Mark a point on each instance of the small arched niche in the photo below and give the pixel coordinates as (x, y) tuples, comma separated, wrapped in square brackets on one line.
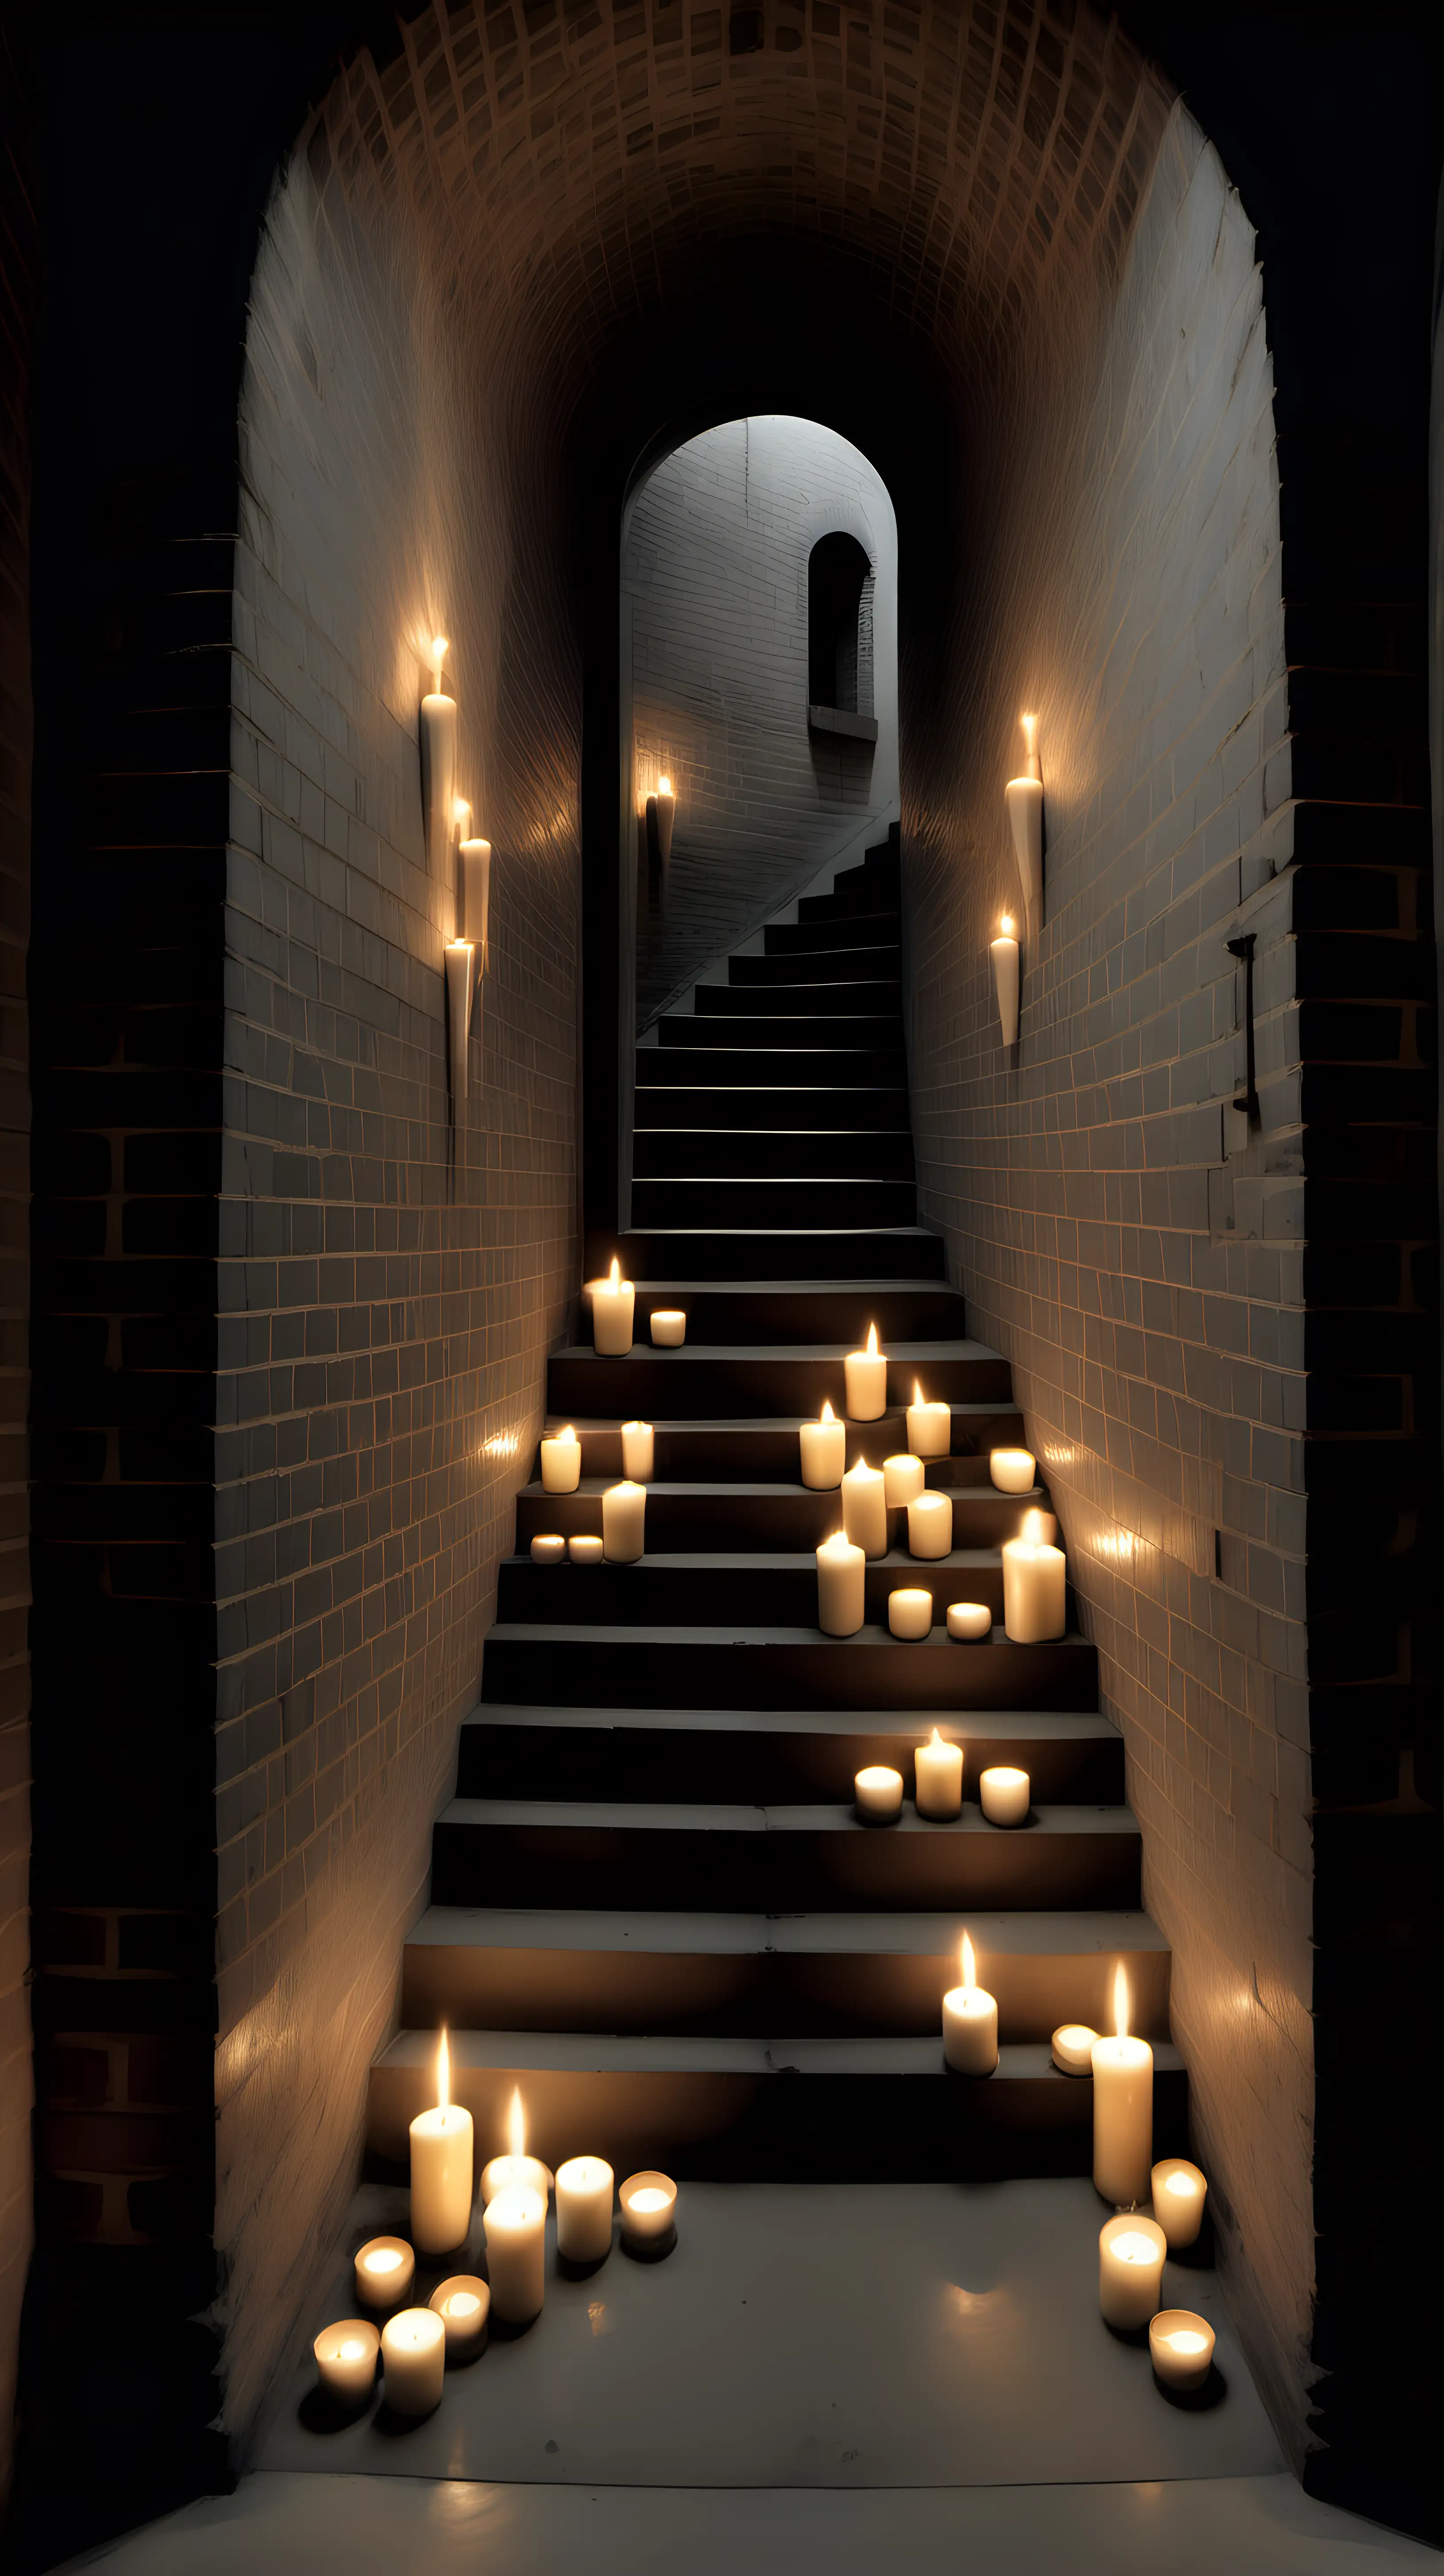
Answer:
[(840, 643)]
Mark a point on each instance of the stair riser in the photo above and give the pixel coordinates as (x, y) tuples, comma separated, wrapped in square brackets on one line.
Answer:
[(792, 1043), (873, 962), (812, 935), (644, 1386), (821, 1312), (607, 1672), (670, 1596), (791, 1202), (759, 1111), (730, 1451), (691, 1524), (772, 1768), (859, 895), (744, 1154), (744, 1252), (851, 997)]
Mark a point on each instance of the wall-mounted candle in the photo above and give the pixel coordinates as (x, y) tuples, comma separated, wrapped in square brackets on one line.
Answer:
[(1130, 2271), (968, 1621), (666, 816), (637, 1452), (346, 2356), (824, 1451), (1180, 2347), (970, 2022), (613, 1299), (930, 1426), (669, 1328), (516, 2170), (865, 1373), (413, 2356), (1072, 2046), (624, 1522), (585, 1549), (910, 1612), (438, 764), (561, 1462), (903, 1479), (841, 1586), (385, 2270), (864, 1508), (1023, 798), (1122, 2109), (548, 1548), (878, 1794), (938, 1779), (649, 2212), (460, 960), (441, 2166), (1179, 2192), (515, 2222), (476, 894), (1035, 1598), (930, 1525), (584, 2209), (463, 2304), (1004, 953), (1014, 1471), (1003, 1794)]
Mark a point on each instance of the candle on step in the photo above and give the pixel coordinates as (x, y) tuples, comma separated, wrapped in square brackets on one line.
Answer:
[(584, 2209), (938, 1779), (864, 1508), (1122, 2109), (903, 1479), (969, 1620), (413, 2357), (910, 1612), (516, 2170), (1034, 1585), (515, 2223), (930, 1426), (877, 1794), (841, 1589), (1072, 2046), (866, 1376), (441, 2166), (613, 1299), (649, 2213), (1003, 1794), (548, 1548), (624, 1522), (1014, 1471), (930, 1525), (561, 1462), (385, 2270), (463, 2304), (970, 2022), (1130, 2271), (824, 1451), (637, 1452), (1179, 2192), (1180, 2347), (669, 1328), (585, 1549), (346, 2356)]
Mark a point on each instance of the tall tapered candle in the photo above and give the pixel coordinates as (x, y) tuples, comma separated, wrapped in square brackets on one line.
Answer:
[(930, 1426), (1122, 2109), (970, 2022), (1034, 1585), (824, 1450), (1005, 980), (841, 1596), (476, 894), (441, 2166), (438, 762), (865, 1373), (613, 1299), (864, 1508), (561, 1462)]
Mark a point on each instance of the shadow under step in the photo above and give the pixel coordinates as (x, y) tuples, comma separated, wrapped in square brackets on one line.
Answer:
[(760, 1109), (875, 964), (719, 1378), (750, 1154), (777, 1591), (858, 997), (692, 1051), (812, 1311), (746, 1519), (782, 1252), (756, 1668)]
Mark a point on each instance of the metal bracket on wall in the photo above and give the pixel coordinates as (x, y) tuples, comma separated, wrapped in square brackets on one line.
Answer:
[(1243, 947)]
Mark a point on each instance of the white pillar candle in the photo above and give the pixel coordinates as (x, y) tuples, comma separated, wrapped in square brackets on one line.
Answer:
[(910, 1613), (938, 1779), (970, 2022), (824, 1451), (515, 2222), (346, 2360), (476, 895), (413, 2356), (1014, 1471), (1072, 2046), (637, 1452), (613, 1299), (516, 2170), (878, 1794), (548, 1548), (585, 1549), (584, 2209), (903, 1479), (1004, 952), (864, 1508), (649, 2212), (1122, 2109), (438, 765), (1003, 1794), (969, 1620), (930, 1525), (1034, 1587), (1130, 2271), (841, 1592), (865, 1373), (561, 1462), (463, 2304), (460, 963), (1179, 2192), (669, 1328), (624, 1522), (441, 2166), (930, 1426), (666, 817), (1180, 2347), (385, 2270)]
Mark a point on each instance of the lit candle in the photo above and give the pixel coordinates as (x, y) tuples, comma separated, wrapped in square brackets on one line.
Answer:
[(548, 1548), (413, 2356), (824, 1451), (1034, 1587), (669, 1328), (516, 2170), (1122, 2109), (476, 893), (938, 1778), (561, 1462), (584, 2209), (970, 2023), (624, 1522), (441, 2166), (969, 1620), (1180, 2347), (649, 2213), (1005, 979), (1130, 2272), (612, 1301), (878, 1794), (1179, 2192), (1072, 2046), (903, 1479), (910, 1612), (666, 816), (438, 763), (1023, 798), (460, 964), (1003, 1794), (866, 1376), (841, 1593), (346, 2360), (463, 2304), (637, 1452), (930, 1426), (585, 1549), (515, 2222), (864, 1508), (930, 1525), (1014, 1471), (385, 2270)]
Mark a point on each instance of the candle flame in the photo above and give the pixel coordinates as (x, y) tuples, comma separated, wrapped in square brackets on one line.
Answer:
[(516, 2124), (1186, 2339), (970, 1974), (440, 647), (1032, 1529), (664, 787), (462, 812), (1007, 925), (937, 1741), (872, 1341), (1120, 2001), (351, 2350), (827, 1414), (566, 1432), (918, 1395), (443, 2075), (1030, 733), (615, 1273)]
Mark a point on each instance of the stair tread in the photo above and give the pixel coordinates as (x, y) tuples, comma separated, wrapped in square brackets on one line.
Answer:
[(754, 1422), (520, 1632), (663, 1934), (710, 2052), (915, 1354), (667, 1816), (758, 1490), (1063, 1725)]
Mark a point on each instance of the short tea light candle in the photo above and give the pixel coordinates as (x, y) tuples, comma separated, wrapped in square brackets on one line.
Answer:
[(548, 1548), (463, 2304), (669, 1328), (1180, 2347), (649, 2212), (585, 1549), (970, 2022), (638, 1446), (841, 1586), (938, 1779), (968, 1621), (441, 2166), (624, 1522), (584, 2209), (878, 1794), (385, 2270), (1034, 1586), (1122, 2110), (613, 1299), (561, 1462), (910, 1613), (864, 1508), (515, 2222), (1072, 2046), (1179, 2192), (930, 1426), (903, 1479), (930, 1525), (516, 2170), (1003, 1794), (346, 2356), (1014, 1471), (865, 1375), (1130, 2271), (413, 2356), (824, 1451)]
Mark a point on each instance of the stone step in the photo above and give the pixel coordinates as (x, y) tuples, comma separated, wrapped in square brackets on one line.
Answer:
[(741, 1252), (810, 936), (856, 997), (738, 1667), (685, 1519), (770, 1591), (874, 963), (760, 1446), (760, 1108), (763, 1311), (761, 1046), (716, 1379), (740, 1153)]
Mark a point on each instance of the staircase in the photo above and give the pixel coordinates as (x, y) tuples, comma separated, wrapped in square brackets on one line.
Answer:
[(653, 1909)]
